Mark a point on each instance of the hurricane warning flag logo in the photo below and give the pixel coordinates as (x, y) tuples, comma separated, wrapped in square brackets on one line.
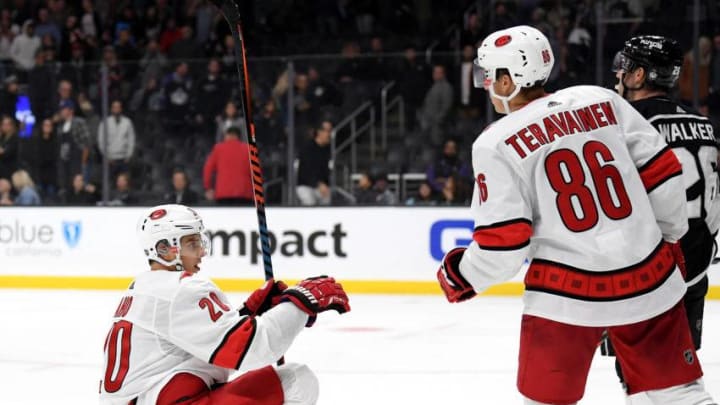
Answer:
[(72, 232)]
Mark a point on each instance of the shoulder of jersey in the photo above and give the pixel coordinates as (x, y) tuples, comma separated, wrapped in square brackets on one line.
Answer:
[(575, 95), (652, 106), (167, 283)]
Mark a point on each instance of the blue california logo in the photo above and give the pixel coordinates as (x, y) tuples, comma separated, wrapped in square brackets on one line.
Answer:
[(72, 232), (439, 227)]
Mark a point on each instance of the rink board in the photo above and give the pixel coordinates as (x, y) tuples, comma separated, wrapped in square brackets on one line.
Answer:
[(372, 250)]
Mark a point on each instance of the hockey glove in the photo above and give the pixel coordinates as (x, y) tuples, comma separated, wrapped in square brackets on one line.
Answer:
[(453, 284), (262, 299), (679, 258), (317, 294)]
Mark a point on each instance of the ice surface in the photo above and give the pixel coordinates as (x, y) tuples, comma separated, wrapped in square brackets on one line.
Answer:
[(388, 350)]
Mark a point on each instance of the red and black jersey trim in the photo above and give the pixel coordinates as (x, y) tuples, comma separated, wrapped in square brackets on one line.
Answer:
[(506, 235), (661, 168), (235, 345), (567, 281)]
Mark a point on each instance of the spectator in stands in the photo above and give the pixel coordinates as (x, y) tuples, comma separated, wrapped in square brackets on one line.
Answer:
[(129, 21), (305, 109), (579, 53), (50, 56), (185, 48), (685, 83), (204, 12), (364, 193), (714, 96), (225, 51), (230, 118), (71, 35), (6, 38), (26, 194), (378, 67), (269, 127), (178, 92), (321, 91), (9, 96), (118, 86), (350, 68), (74, 139), (153, 62), (472, 33), (9, 145), (64, 94), (48, 45), (447, 164), (181, 192), (120, 144), (81, 194), (40, 84), (454, 191), (45, 153), (373, 189), (92, 119), (211, 95), (413, 79), (424, 196), (127, 52), (152, 22), (89, 19), (123, 194), (170, 34), (24, 47), (381, 186), (471, 101), (436, 106), (226, 175), (313, 176), (504, 15), (77, 70), (5, 192), (46, 26)]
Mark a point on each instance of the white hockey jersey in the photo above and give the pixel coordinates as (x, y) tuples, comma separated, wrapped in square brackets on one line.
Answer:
[(170, 322), (583, 186)]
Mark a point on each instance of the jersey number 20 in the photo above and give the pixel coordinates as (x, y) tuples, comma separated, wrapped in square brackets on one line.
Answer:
[(566, 175), (117, 350)]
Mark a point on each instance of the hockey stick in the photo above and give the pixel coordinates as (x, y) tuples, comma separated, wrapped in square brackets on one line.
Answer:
[(231, 13)]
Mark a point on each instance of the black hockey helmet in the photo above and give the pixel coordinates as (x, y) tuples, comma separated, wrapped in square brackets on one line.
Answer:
[(661, 57)]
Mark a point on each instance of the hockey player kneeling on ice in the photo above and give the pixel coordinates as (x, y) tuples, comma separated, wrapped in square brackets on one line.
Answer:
[(582, 185), (175, 337)]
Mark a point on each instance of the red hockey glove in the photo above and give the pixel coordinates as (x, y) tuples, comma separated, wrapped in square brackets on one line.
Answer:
[(317, 294), (261, 299), (453, 284), (679, 258)]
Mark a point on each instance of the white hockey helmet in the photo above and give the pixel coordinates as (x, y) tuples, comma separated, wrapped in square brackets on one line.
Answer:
[(523, 50), (168, 224)]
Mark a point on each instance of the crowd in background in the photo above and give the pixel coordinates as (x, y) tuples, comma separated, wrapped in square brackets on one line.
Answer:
[(174, 116)]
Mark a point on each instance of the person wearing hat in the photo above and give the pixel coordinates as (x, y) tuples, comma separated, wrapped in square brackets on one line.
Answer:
[(74, 137), (9, 96)]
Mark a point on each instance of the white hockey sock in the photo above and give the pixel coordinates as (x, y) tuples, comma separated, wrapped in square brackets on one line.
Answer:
[(693, 393), (299, 384)]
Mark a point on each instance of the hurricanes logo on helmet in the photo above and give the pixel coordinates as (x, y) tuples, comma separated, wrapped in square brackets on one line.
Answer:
[(157, 214), (503, 40), (546, 56)]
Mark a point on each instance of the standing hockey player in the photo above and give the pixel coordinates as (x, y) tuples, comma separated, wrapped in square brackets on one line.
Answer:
[(175, 337), (647, 69), (578, 182)]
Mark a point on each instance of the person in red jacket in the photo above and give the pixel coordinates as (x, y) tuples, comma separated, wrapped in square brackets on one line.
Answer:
[(229, 164)]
